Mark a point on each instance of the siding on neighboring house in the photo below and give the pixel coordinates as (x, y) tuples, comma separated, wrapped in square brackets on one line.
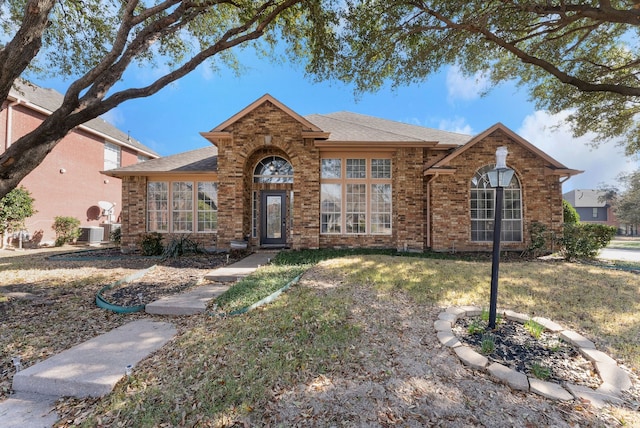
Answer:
[(69, 181)]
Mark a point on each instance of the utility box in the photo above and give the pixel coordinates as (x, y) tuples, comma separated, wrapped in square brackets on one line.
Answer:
[(91, 234)]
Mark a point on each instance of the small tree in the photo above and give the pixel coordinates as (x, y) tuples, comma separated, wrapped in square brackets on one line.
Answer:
[(67, 229), (15, 207), (569, 214)]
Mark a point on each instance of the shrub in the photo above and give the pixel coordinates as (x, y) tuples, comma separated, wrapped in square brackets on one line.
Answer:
[(116, 236), (67, 229), (584, 240), (15, 207), (538, 233), (151, 244), (569, 214), (180, 245)]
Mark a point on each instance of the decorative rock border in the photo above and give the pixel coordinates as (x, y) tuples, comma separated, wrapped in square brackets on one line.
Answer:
[(614, 379)]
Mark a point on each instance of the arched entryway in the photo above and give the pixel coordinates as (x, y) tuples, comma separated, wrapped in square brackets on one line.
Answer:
[(271, 190)]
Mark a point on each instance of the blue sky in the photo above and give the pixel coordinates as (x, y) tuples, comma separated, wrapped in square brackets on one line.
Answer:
[(170, 121)]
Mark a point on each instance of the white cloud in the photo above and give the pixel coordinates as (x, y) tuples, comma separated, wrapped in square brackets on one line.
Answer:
[(456, 125), (114, 117), (600, 165), (464, 87)]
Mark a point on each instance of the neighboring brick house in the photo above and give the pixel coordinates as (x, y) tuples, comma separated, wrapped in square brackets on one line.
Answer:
[(277, 179), (69, 181), (592, 206)]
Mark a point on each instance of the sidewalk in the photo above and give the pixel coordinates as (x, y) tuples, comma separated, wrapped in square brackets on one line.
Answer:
[(195, 301), (94, 367)]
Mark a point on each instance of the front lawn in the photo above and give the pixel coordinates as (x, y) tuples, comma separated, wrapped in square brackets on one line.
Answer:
[(351, 344)]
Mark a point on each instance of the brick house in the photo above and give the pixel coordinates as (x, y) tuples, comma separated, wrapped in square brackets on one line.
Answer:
[(276, 179), (69, 181)]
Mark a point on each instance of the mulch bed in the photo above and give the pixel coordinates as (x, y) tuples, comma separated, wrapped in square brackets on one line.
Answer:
[(170, 276), (516, 348)]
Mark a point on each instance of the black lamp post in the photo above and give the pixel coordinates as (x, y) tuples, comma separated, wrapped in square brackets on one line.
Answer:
[(499, 178)]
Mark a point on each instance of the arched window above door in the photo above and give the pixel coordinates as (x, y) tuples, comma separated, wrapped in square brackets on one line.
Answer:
[(273, 169)]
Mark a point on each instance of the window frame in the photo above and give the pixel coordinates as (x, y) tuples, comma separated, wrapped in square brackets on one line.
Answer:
[(168, 212), (112, 148), (353, 172), (484, 209)]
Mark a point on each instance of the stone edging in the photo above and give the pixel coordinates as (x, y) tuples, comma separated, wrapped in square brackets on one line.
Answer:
[(614, 379)]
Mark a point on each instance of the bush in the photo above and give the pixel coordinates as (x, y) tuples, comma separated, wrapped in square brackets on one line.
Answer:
[(584, 240), (538, 233), (569, 214), (116, 236), (67, 229), (151, 244), (180, 245), (15, 207)]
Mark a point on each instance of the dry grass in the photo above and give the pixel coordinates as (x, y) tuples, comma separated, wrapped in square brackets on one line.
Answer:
[(602, 304), (356, 333)]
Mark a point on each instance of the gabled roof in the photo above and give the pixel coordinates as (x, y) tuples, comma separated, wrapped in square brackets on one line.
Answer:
[(554, 166), (348, 127), (202, 160), (307, 126), (48, 100)]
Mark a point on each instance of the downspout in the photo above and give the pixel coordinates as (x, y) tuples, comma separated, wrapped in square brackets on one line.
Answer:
[(428, 225), (8, 128)]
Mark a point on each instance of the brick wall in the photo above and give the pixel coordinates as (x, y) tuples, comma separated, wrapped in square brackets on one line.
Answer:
[(68, 182), (450, 195), (237, 158), (134, 220)]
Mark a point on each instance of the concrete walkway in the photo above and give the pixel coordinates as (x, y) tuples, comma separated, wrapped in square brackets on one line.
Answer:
[(92, 368), (196, 300)]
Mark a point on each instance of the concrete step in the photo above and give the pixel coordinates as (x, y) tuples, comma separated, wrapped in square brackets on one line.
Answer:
[(192, 302), (92, 368), (242, 268), (26, 410)]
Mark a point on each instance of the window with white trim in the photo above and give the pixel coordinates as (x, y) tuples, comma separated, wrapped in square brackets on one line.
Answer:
[(355, 196), (182, 206), (207, 206), (483, 198), (112, 154)]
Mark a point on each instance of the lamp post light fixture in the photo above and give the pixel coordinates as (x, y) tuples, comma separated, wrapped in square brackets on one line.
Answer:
[(499, 178)]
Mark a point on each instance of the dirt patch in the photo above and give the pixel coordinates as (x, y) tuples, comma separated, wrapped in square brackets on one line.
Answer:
[(405, 377)]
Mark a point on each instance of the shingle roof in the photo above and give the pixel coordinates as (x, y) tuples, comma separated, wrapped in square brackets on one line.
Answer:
[(50, 100), (347, 126), (204, 159)]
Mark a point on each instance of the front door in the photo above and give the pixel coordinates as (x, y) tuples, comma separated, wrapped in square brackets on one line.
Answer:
[(273, 224)]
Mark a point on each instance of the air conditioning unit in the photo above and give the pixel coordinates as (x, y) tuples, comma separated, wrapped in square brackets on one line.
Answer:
[(91, 234)]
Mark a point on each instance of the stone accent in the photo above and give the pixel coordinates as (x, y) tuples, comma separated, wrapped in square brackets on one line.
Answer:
[(614, 379), (448, 339), (597, 398), (513, 378), (515, 316), (471, 358), (548, 324), (549, 390), (577, 340)]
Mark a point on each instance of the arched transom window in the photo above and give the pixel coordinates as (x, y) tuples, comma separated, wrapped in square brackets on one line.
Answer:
[(273, 169), (483, 198)]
